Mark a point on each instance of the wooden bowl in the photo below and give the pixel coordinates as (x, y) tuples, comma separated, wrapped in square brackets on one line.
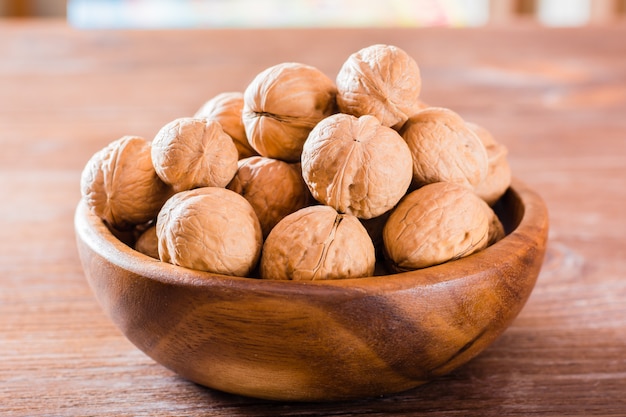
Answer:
[(318, 341)]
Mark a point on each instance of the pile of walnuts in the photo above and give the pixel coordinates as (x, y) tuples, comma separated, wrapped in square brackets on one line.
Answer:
[(304, 178)]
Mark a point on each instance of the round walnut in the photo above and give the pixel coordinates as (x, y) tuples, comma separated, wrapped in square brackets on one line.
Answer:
[(226, 108), (380, 80), (273, 187), (356, 165), (317, 243), (444, 148), (435, 224), (209, 229), (496, 228), (119, 183), (191, 153), (498, 176), (281, 106), (148, 243)]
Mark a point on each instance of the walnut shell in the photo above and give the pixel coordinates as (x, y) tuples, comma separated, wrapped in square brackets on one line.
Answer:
[(444, 148), (226, 108), (317, 243), (380, 80), (498, 178), (434, 224), (119, 183), (281, 106), (148, 243), (356, 165), (209, 229), (191, 153), (496, 228), (273, 188)]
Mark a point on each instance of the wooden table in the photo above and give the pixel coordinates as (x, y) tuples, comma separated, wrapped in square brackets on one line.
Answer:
[(555, 98)]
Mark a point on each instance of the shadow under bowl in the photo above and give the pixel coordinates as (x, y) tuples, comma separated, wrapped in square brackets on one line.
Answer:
[(318, 341)]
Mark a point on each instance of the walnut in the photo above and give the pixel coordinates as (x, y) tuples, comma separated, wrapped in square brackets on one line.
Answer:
[(444, 148), (437, 223), (226, 108), (120, 185), (380, 80), (209, 229), (317, 243), (190, 153), (496, 228), (356, 165), (148, 243), (273, 187), (498, 176), (281, 106)]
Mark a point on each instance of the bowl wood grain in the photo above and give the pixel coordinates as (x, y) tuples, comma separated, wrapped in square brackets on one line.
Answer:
[(318, 341)]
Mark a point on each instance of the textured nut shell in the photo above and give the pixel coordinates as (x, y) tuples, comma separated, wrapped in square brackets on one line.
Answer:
[(281, 106), (380, 80), (226, 108), (148, 243), (496, 228), (356, 165), (191, 153), (273, 188), (434, 224), (120, 185), (317, 243), (444, 148), (498, 178), (209, 229)]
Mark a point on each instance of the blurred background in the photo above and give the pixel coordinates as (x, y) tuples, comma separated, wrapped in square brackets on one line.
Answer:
[(316, 13)]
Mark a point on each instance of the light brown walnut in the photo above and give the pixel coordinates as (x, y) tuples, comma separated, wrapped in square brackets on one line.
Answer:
[(119, 183), (273, 187), (190, 153), (435, 224), (148, 243), (281, 106), (498, 178), (444, 148), (496, 228), (317, 243), (380, 80), (356, 165), (209, 229), (226, 108)]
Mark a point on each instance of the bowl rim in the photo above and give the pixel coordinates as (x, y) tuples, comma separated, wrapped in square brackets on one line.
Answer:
[(530, 232)]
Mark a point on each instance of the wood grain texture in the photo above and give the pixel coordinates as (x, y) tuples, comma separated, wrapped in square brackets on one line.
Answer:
[(556, 98), (318, 341)]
